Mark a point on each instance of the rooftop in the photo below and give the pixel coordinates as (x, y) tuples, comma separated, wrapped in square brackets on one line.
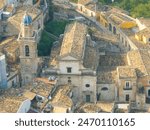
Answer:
[(27, 19), (2, 3), (126, 72), (145, 21), (84, 2), (90, 57), (74, 40), (16, 19), (11, 48), (144, 32), (89, 108), (136, 60), (145, 55), (9, 8), (99, 107), (55, 51), (118, 19), (130, 33), (11, 99), (113, 60), (61, 97), (43, 87), (106, 71), (106, 75)]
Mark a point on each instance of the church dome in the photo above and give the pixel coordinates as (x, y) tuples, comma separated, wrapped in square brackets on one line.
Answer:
[(27, 20)]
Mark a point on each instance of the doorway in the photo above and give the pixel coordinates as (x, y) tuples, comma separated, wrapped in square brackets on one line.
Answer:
[(88, 98), (127, 97), (149, 93)]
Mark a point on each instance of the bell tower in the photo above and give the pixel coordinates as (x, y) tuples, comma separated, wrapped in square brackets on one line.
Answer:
[(28, 50)]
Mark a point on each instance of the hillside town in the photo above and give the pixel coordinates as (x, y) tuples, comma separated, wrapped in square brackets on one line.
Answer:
[(99, 63)]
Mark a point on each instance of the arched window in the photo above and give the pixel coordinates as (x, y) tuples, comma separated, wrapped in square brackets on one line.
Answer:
[(104, 89), (27, 51), (87, 85)]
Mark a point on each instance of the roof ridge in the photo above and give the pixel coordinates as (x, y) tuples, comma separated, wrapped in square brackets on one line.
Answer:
[(142, 61)]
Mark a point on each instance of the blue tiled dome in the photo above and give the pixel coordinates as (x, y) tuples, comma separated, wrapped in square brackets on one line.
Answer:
[(27, 20)]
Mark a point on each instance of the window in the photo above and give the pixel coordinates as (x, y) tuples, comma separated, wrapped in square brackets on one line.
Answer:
[(69, 69), (149, 93), (13, 83), (88, 98), (27, 53), (4, 28), (98, 96), (127, 97), (87, 85), (104, 89), (127, 85), (69, 80)]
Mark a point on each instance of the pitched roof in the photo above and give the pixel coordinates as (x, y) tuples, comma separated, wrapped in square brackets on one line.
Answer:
[(84, 2), (61, 97), (136, 61), (144, 32), (2, 3), (145, 55), (74, 40), (126, 72), (145, 21), (90, 57), (11, 99)]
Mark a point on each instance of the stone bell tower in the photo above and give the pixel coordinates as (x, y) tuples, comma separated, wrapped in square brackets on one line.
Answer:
[(28, 50)]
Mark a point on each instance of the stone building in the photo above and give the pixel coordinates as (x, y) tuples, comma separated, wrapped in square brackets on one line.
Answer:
[(28, 50), (87, 7), (126, 84), (74, 61), (3, 76)]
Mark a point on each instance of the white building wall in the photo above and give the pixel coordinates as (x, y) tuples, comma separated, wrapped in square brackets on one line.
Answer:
[(73, 64), (91, 80), (77, 79), (25, 106), (3, 77)]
